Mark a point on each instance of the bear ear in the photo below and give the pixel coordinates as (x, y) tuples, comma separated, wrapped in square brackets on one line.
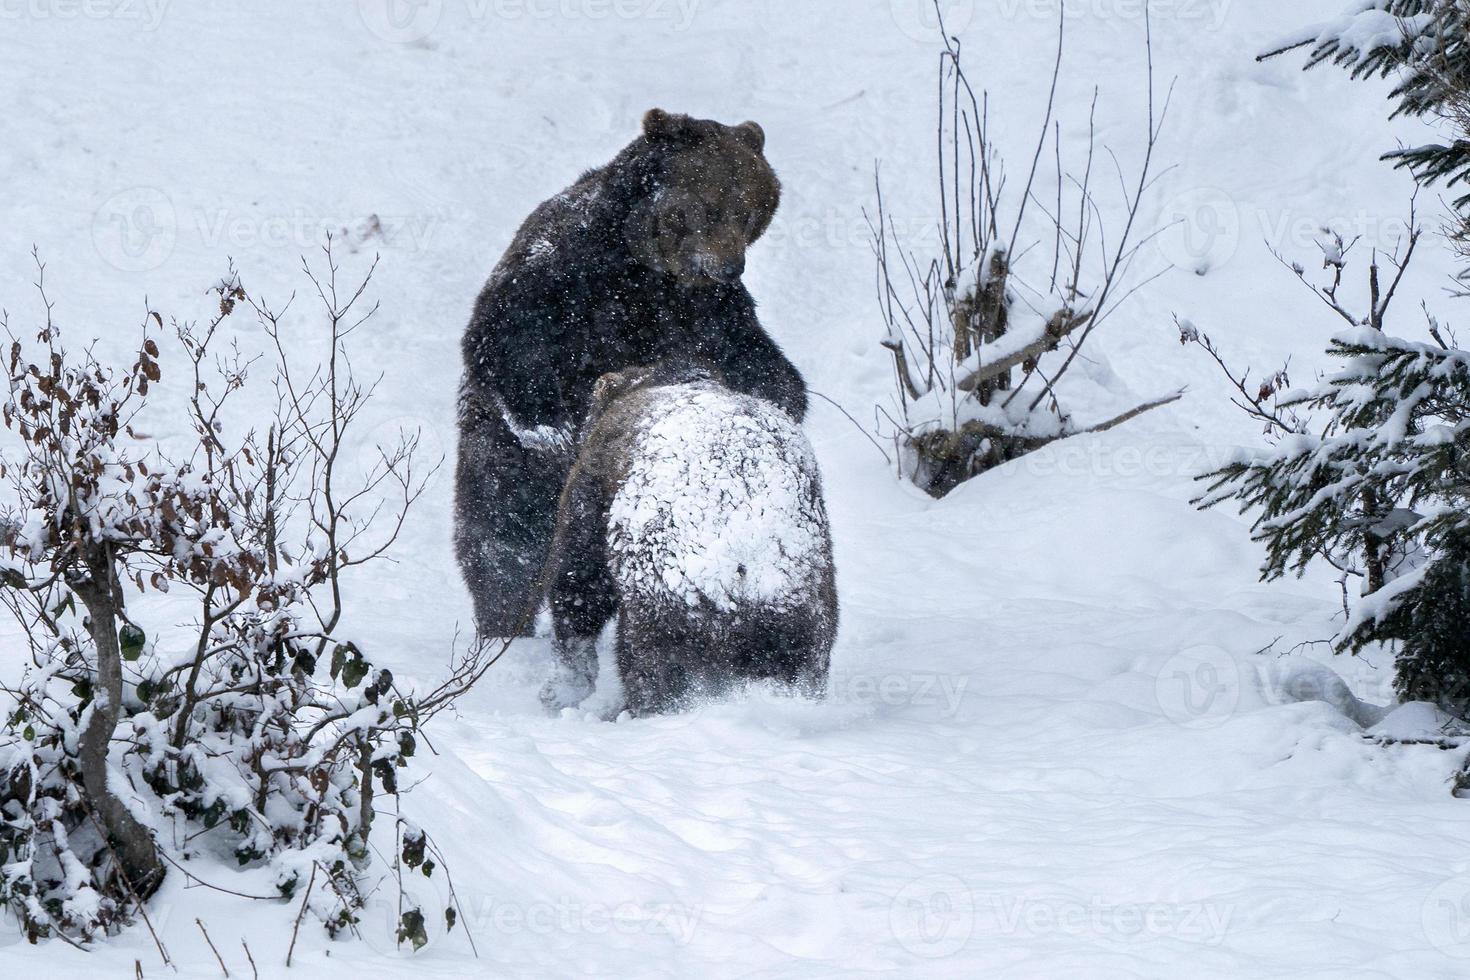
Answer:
[(657, 122), (604, 387), (608, 387), (751, 134)]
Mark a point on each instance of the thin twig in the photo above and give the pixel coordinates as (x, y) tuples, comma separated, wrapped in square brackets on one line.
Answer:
[(200, 923), (1134, 413), (120, 870), (834, 403), (301, 915), (454, 895)]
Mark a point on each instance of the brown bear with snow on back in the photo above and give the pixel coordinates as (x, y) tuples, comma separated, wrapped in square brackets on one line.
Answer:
[(637, 261), (694, 513)]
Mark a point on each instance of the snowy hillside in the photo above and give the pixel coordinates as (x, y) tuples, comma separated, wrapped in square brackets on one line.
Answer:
[(1052, 747)]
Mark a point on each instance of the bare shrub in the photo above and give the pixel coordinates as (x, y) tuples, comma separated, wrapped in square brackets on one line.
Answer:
[(269, 728), (1023, 279)]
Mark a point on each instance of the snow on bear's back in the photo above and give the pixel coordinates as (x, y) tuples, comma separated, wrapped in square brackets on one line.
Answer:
[(721, 505)]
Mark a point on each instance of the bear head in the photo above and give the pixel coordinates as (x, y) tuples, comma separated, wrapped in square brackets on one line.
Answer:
[(618, 397), (712, 195), (615, 385)]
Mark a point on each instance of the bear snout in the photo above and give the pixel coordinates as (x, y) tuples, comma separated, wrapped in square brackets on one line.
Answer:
[(720, 268)]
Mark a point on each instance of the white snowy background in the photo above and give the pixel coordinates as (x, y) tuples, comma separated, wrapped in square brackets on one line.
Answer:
[(1051, 747)]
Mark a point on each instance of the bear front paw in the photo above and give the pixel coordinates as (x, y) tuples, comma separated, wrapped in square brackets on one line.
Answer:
[(565, 689)]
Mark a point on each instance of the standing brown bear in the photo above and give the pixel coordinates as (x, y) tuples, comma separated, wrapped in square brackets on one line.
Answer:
[(638, 261)]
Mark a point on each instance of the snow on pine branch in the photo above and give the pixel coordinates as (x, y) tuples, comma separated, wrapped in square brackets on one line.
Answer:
[(1369, 35), (1369, 470), (1424, 45)]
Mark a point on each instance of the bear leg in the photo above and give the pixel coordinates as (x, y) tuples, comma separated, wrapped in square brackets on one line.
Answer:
[(660, 662), (582, 593), (574, 677), (791, 647), (505, 515)]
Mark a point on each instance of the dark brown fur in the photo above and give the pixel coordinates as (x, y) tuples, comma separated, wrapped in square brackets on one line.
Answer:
[(718, 198), (637, 261)]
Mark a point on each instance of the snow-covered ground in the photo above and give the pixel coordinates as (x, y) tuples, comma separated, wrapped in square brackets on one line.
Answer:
[(1051, 746)]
